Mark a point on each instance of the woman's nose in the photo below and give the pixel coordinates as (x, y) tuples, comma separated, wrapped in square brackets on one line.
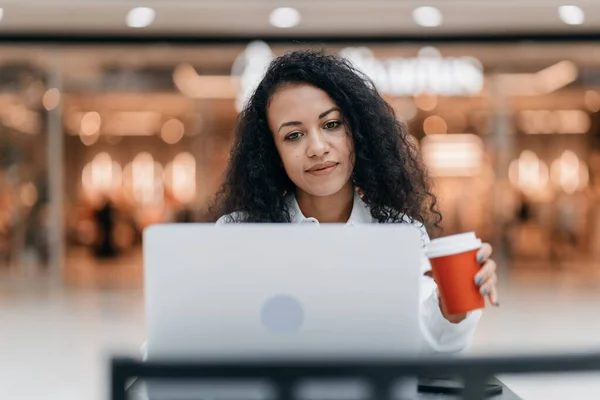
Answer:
[(318, 145)]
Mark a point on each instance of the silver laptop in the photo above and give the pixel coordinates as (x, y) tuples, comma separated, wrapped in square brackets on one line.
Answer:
[(264, 291)]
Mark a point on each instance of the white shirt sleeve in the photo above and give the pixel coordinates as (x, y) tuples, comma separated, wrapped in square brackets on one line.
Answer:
[(439, 334), (235, 217)]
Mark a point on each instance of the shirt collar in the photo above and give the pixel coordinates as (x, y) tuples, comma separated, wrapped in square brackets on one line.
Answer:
[(361, 213)]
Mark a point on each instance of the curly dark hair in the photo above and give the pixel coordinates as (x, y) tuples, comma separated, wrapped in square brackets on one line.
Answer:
[(388, 171)]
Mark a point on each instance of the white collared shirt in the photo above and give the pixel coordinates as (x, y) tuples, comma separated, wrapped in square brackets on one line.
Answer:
[(440, 335)]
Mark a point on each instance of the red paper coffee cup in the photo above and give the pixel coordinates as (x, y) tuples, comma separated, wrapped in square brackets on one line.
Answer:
[(454, 266)]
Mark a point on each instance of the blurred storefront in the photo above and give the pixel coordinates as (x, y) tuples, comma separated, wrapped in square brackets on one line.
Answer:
[(510, 133)]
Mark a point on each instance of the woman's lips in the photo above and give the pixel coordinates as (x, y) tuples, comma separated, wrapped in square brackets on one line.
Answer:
[(321, 170)]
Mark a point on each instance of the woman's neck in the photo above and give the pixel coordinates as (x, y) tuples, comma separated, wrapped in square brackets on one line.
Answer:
[(335, 208)]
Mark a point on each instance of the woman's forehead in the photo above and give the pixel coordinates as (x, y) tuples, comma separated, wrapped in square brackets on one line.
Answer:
[(302, 100)]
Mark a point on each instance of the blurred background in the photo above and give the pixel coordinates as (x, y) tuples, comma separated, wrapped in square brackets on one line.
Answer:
[(115, 117), (118, 114)]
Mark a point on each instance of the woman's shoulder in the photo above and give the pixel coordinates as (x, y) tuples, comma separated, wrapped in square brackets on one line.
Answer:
[(236, 217)]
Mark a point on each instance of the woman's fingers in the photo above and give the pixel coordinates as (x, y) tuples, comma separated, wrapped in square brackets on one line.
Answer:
[(493, 296), (484, 253), (488, 288), (487, 270)]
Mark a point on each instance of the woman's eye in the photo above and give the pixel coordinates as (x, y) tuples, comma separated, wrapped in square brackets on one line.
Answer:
[(332, 125), (293, 136)]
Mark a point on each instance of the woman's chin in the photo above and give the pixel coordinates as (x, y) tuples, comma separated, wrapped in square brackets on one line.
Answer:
[(324, 190)]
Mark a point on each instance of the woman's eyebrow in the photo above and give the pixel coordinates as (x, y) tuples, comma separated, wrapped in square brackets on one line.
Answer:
[(328, 111), (291, 123)]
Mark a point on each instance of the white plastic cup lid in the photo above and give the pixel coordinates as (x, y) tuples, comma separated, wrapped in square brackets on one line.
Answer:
[(454, 244)]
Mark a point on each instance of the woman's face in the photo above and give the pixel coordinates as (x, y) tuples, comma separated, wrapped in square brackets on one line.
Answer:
[(314, 145)]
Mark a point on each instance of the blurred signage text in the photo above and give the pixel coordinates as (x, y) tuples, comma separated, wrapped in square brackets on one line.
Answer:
[(429, 72)]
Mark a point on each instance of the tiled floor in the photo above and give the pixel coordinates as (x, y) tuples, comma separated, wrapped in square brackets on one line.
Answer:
[(55, 344)]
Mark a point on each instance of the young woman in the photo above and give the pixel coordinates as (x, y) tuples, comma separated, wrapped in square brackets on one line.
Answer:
[(316, 143)]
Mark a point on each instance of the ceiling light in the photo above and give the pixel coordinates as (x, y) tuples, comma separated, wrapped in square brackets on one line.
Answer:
[(556, 76), (140, 17), (435, 125), (51, 99), (571, 15), (453, 155), (284, 17), (426, 102), (592, 100), (172, 131), (529, 173), (90, 124), (427, 16)]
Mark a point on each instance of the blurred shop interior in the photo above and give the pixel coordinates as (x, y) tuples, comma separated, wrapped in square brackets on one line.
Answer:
[(510, 133)]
